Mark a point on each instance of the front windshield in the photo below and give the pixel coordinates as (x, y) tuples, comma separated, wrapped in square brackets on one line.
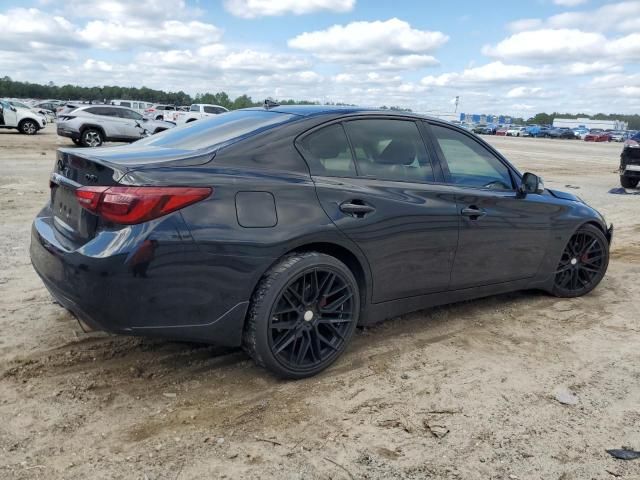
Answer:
[(216, 130)]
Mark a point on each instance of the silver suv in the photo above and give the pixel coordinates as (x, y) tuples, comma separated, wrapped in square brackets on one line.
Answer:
[(92, 125)]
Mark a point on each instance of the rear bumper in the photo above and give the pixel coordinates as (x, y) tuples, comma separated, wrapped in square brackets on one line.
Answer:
[(67, 132), (122, 282)]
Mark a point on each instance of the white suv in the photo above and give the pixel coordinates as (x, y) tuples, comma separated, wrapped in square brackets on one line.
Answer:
[(198, 111), (23, 119), (92, 125)]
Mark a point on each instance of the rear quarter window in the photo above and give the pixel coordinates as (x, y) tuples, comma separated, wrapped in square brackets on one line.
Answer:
[(217, 130)]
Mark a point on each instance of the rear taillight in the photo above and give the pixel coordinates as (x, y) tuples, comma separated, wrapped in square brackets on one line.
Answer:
[(131, 205)]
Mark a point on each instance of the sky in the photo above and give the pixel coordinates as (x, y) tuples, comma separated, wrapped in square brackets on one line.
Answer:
[(516, 58)]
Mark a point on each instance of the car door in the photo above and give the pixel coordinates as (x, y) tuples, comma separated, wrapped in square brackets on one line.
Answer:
[(503, 235), (9, 115), (376, 181), (128, 122)]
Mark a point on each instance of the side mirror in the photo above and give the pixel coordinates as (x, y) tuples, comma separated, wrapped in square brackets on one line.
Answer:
[(531, 184), (13, 109)]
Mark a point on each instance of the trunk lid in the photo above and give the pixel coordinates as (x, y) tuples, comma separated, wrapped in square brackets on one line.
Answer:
[(78, 167)]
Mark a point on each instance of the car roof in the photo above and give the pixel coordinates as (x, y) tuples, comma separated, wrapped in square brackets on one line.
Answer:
[(335, 110)]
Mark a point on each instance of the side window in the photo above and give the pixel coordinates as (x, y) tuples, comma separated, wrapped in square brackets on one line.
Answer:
[(194, 108), (209, 109), (125, 104), (470, 164), (129, 114), (390, 150), (327, 152)]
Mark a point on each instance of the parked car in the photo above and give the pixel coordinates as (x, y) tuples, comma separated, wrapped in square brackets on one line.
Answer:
[(50, 105), (502, 131), (630, 162), (561, 132), (514, 131), (479, 128), (137, 105), (538, 131), (597, 135), (92, 125), (23, 119), (157, 112), (198, 111), (282, 228), (581, 132), (618, 136)]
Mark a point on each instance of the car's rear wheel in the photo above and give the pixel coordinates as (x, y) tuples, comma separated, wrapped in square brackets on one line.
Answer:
[(583, 263), (92, 137), (28, 127), (628, 182), (302, 315)]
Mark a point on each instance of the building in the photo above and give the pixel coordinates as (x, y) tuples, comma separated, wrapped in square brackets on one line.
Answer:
[(482, 118), (588, 123)]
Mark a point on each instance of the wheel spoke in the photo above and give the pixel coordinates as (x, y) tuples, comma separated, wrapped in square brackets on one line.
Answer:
[(304, 347), (325, 341), (280, 325), (333, 306), (284, 341), (334, 320)]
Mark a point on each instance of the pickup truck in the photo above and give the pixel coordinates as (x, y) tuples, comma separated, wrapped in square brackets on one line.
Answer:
[(198, 111), (23, 119)]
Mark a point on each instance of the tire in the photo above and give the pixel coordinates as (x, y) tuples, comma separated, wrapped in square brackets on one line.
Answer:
[(159, 117), (28, 127), (583, 263), (628, 182), (91, 137), (286, 296)]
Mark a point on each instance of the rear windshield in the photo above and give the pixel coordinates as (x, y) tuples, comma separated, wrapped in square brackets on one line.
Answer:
[(216, 130)]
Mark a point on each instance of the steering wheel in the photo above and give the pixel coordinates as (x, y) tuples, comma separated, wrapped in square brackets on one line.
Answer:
[(496, 185)]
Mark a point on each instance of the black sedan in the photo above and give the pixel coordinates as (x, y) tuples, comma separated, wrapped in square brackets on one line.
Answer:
[(565, 133), (280, 229)]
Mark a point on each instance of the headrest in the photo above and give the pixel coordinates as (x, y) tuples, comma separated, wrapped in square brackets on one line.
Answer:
[(398, 152)]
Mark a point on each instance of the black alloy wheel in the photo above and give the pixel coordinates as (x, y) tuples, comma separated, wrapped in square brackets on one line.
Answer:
[(583, 263), (303, 315)]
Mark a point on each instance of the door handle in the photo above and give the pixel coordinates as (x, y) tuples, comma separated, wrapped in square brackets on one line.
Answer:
[(356, 207), (473, 212)]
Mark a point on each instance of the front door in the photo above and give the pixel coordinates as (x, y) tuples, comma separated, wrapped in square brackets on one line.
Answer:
[(377, 186), (503, 236)]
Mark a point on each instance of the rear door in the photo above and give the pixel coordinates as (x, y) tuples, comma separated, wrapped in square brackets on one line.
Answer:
[(130, 122), (503, 236), (376, 181)]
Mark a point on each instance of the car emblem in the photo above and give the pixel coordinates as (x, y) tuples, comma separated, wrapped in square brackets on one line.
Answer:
[(89, 177)]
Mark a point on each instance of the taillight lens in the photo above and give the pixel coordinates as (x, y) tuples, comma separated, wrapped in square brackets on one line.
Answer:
[(131, 205)]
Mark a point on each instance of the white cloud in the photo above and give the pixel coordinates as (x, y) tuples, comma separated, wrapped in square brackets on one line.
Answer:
[(117, 35), (525, 92), (621, 16), (569, 3), (143, 11), (22, 28), (547, 44), (587, 68), (524, 24), (391, 44), (263, 8), (491, 73)]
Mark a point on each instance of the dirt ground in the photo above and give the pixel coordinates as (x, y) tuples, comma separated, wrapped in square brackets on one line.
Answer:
[(461, 392)]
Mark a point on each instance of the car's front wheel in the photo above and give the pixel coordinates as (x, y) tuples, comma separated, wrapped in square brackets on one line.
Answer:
[(628, 182), (583, 263), (302, 315), (28, 127), (92, 137)]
